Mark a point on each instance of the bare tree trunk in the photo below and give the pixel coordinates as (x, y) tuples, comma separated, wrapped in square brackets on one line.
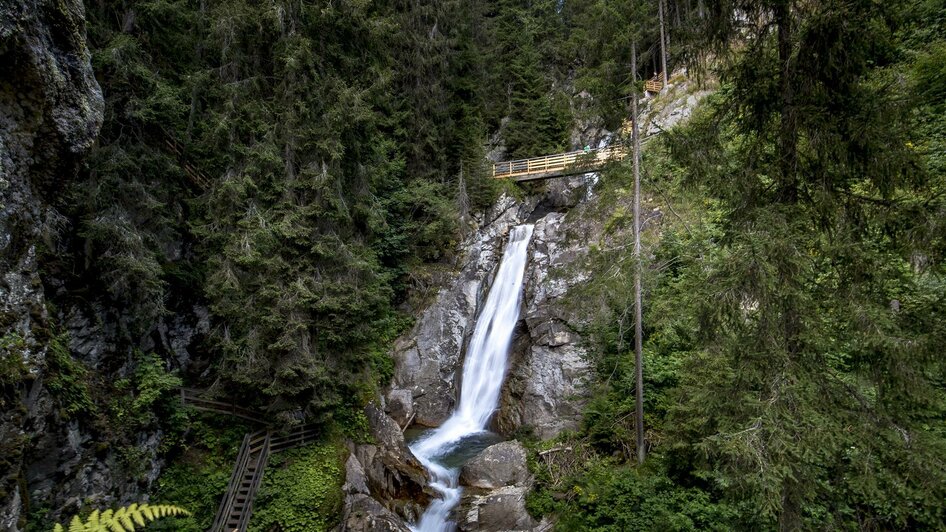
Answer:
[(463, 201), (663, 41), (788, 139), (638, 315)]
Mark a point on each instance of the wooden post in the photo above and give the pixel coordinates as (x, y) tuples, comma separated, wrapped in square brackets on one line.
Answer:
[(638, 314)]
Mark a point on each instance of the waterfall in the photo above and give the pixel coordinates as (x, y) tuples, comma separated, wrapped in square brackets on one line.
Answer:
[(483, 374)]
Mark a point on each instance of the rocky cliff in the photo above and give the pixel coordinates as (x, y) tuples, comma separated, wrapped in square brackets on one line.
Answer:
[(50, 113), (55, 461), (543, 390)]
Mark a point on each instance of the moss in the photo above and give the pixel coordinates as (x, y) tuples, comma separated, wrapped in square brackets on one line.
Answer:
[(68, 380), (302, 489), (12, 368)]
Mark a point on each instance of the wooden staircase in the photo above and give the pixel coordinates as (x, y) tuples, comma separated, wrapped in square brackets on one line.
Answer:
[(196, 177), (237, 504), (236, 507), (654, 84)]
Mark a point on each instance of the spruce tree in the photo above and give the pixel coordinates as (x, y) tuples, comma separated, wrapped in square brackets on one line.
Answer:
[(813, 395)]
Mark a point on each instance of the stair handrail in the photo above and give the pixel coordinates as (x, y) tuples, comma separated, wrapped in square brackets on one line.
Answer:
[(247, 512), (226, 504)]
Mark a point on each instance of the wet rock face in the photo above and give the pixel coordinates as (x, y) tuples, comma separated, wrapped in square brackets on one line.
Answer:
[(497, 466), (427, 360), (544, 386), (545, 389), (385, 471), (51, 109)]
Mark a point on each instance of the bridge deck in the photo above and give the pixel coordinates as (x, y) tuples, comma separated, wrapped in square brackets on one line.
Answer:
[(558, 165)]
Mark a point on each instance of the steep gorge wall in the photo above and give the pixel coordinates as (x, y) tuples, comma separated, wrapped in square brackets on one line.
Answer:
[(54, 462), (543, 390), (50, 113)]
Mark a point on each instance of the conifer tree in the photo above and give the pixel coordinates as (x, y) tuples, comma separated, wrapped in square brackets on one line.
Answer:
[(811, 399)]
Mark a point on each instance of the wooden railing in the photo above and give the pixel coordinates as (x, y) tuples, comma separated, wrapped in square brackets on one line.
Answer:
[(298, 436), (237, 504), (196, 177), (561, 164), (196, 399), (654, 84)]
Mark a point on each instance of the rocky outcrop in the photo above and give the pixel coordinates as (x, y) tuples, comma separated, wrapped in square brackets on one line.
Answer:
[(362, 512), (427, 360), (51, 109), (497, 481), (399, 404), (386, 472), (503, 509), (497, 466)]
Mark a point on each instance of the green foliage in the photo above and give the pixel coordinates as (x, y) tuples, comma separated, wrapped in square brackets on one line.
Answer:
[(12, 367), (603, 33), (195, 480), (127, 518), (301, 490), (198, 472), (68, 380), (794, 291), (615, 497), (139, 400)]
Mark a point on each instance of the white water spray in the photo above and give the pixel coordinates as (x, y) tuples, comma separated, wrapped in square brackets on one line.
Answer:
[(483, 375)]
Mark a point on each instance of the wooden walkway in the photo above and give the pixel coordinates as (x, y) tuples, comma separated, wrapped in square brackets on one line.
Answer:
[(236, 507), (558, 165), (198, 399), (237, 504), (196, 177), (654, 84)]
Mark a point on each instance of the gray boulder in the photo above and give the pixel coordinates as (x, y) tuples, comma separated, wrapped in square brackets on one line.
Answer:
[(399, 405), (497, 466), (364, 514), (502, 509)]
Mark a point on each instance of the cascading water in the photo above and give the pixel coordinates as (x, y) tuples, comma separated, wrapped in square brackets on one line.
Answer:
[(483, 375)]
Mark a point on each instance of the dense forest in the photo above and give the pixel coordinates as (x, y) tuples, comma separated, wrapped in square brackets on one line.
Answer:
[(303, 175)]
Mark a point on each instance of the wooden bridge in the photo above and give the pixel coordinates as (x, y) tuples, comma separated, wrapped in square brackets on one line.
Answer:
[(558, 165), (236, 507)]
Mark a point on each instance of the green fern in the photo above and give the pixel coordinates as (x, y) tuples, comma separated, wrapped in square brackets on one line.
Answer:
[(125, 519)]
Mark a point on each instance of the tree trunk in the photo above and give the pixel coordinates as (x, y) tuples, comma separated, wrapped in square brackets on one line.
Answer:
[(638, 314), (663, 42), (789, 123)]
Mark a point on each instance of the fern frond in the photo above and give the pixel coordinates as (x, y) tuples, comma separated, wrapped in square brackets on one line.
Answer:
[(125, 519), (136, 515), (58, 528), (93, 523), (76, 525), (123, 516)]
